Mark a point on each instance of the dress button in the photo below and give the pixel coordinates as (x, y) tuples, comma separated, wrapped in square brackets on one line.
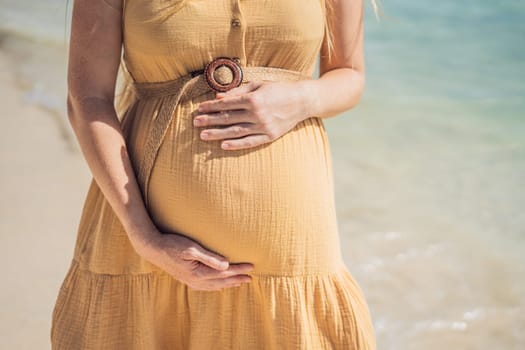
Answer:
[(236, 22)]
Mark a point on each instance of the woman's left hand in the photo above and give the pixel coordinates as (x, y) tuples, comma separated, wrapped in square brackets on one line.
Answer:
[(252, 114)]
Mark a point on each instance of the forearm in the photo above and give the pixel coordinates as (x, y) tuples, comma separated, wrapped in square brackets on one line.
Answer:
[(336, 91), (99, 134)]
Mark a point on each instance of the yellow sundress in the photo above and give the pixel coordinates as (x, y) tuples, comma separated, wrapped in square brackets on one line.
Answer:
[(271, 205)]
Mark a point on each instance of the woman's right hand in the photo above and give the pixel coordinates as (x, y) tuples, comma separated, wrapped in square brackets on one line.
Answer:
[(94, 59), (192, 264)]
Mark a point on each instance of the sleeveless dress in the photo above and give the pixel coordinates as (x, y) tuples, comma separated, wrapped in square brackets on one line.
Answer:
[(271, 205)]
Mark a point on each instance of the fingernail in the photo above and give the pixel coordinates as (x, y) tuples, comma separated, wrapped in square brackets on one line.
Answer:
[(200, 109), (204, 135), (197, 122), (225, 145)]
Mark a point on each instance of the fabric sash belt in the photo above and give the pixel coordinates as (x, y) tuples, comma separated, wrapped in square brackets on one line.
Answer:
[(186, 87)]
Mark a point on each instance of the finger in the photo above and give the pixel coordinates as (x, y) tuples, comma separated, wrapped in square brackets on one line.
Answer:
[(225, 104), (229, 282), (198, 253), (204, 272), (246, 142), (241, 89), (222, 118), (236, 130)]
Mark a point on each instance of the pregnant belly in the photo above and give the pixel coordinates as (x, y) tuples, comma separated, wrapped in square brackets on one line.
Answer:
[(271, 205)]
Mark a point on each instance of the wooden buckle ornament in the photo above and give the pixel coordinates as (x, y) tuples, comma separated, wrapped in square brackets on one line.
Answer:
[(232, 64)]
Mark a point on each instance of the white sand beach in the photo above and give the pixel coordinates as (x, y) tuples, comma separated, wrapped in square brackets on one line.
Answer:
[(43, 181)]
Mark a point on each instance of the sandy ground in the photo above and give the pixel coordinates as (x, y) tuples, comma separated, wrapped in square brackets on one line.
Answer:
[(43, 183)]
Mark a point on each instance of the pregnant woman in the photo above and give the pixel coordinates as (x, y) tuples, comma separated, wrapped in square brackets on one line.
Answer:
[(210, 220)]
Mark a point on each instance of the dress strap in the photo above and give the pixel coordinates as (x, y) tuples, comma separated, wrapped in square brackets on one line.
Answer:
[(185, 87)]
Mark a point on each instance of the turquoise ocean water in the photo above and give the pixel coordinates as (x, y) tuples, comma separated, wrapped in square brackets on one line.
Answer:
[(429, 168)]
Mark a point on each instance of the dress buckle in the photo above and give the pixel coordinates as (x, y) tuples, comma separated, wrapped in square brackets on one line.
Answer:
[(216, 63)]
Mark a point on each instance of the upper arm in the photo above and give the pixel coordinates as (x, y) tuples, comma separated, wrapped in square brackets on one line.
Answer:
[(94, 50), (346, 22)]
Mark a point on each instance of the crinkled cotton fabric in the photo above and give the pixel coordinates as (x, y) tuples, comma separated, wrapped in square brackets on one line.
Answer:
[(271, 205)]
